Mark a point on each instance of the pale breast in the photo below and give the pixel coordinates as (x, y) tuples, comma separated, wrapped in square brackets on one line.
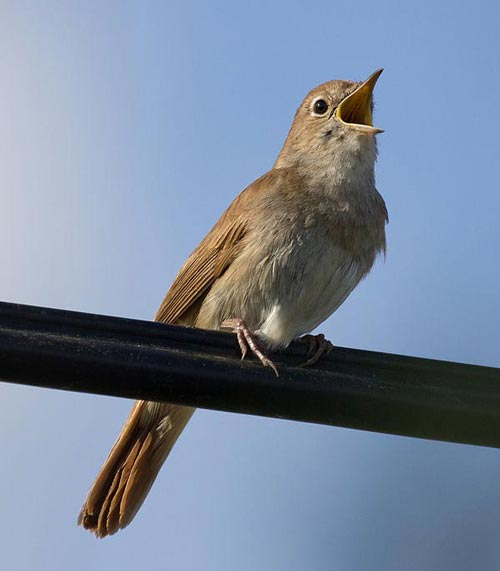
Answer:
[(284, 285), (327, 277), (308, 247)]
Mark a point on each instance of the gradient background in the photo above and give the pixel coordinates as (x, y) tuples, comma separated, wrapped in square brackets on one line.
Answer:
[(125, 129)]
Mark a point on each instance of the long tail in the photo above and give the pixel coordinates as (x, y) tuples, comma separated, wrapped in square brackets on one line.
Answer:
[(132, 466)]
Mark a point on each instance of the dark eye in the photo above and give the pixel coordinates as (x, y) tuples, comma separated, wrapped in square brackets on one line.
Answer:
[(320, 107)]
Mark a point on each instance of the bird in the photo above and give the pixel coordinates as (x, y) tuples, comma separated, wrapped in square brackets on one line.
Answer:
[(281, 259)]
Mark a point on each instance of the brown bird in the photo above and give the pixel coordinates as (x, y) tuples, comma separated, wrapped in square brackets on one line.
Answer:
[(281, 259)]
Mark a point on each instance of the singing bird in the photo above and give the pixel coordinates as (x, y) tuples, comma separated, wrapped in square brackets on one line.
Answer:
[(281, 259)]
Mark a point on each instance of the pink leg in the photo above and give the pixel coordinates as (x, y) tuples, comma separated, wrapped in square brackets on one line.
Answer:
[(248, 340), (318, 346)]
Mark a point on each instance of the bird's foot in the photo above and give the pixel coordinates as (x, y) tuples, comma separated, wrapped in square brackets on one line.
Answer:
[(248, 340), (317, 347)]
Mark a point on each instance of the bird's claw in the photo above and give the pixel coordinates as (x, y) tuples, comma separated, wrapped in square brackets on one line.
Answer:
[(318, 346), (248, 340)]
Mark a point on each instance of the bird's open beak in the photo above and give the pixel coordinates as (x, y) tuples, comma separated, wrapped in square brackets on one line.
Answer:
[(356, 109)]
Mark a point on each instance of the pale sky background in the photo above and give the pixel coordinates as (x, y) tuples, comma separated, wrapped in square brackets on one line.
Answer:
[(125, 130)]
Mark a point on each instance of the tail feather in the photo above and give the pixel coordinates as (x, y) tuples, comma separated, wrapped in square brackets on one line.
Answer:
[(132, 466)]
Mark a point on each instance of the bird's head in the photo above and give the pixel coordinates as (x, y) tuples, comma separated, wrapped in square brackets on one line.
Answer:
[(333, 126)]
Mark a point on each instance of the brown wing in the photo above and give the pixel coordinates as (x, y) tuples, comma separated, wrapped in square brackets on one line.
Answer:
[(202, 268), (220, 247)]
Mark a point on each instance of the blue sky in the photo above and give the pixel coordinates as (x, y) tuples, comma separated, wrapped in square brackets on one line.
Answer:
[(125, 130)]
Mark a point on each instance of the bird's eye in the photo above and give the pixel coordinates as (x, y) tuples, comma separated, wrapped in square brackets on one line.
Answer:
[(320, 107)]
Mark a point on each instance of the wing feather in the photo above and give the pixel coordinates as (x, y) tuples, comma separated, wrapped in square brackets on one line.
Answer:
[(209, 261), (217, 251)]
